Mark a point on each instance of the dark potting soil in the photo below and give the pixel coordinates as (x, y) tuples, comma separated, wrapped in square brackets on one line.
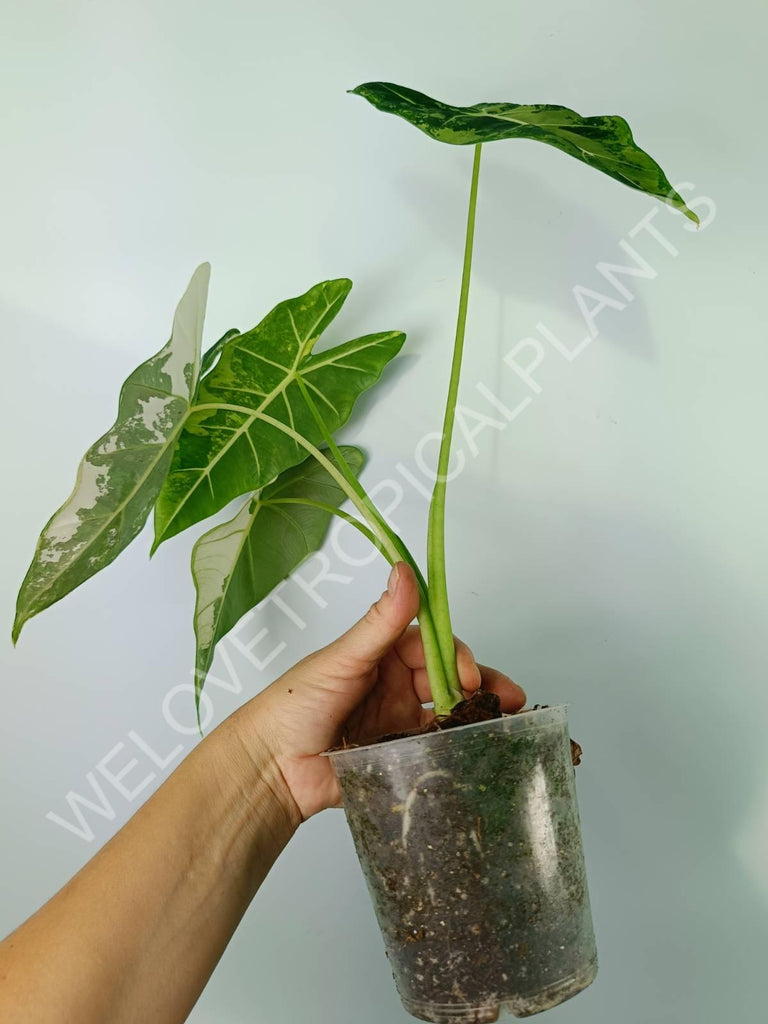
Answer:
[(472, 854), (482, 706)]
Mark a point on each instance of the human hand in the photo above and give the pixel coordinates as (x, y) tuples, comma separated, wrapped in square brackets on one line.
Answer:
[(370, 682)]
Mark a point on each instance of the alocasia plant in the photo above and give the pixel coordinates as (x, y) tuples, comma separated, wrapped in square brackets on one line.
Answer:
[(254, 418), (193, 432)]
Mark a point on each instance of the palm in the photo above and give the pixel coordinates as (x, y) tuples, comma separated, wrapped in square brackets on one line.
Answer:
[(326, 702), (397, 701)]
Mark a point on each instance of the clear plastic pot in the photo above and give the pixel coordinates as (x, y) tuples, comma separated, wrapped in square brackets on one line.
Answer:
[(469, 841)]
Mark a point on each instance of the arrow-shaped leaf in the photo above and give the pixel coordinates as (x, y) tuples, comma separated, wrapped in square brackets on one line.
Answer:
[(251, 418), (120, 475), (236, 565), (605, 143)]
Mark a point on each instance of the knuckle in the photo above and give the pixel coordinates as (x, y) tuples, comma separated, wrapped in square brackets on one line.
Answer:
[(374, 615)]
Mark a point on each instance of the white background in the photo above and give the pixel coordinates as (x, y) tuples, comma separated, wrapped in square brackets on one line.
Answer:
[(607, 548)]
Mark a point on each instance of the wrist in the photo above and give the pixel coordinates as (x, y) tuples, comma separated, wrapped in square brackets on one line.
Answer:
[(250, 744)]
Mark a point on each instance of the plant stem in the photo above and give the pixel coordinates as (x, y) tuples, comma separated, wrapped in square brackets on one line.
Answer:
[(355, 484), (438, 587), (363, 506), (391, 546), (442, 692)]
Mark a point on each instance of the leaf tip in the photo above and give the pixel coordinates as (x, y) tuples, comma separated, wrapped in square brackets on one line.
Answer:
[(340, 287), (199, 683), (200, 280), (692, 216), (674, 199), (162, 529), (20, 619)]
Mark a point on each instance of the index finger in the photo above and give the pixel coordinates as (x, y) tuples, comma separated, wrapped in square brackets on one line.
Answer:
[(410, 650), (511, 695)]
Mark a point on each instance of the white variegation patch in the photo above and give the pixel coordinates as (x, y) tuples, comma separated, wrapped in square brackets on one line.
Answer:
[(119, 479), (180, 359), (154, 417), (92, 484)]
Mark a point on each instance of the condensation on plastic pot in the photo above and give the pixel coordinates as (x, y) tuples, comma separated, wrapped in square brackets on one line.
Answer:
[(470, 844)]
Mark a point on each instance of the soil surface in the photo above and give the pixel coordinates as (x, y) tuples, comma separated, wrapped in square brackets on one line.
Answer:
[(482, 706)]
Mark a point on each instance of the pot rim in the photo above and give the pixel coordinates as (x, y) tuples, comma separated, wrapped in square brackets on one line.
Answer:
[(414, 736)]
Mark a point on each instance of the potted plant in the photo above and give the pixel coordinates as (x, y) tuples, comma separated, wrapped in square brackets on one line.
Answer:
[(468, 831)]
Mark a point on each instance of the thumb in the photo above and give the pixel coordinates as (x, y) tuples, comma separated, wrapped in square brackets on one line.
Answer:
[(365, 644)]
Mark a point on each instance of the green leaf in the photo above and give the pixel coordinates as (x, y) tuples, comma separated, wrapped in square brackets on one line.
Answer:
[(251, 417), (121, 474), (605, 143), (236, 565)]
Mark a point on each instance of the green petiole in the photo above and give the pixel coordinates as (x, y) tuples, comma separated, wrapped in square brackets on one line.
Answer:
[(438, 587)]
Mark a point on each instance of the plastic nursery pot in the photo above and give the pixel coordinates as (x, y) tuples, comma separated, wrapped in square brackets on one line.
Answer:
[(469, 841)]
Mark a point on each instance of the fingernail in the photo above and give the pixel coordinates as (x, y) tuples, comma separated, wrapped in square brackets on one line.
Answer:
[(394, 579)]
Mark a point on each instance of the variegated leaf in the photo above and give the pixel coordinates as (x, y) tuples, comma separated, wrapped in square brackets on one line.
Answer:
[(605, 142), (122, 473), (251, 415), (236, 565)]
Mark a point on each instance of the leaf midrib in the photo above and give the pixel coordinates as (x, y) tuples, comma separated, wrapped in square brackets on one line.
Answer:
[(205, 473), (468, 111), (251, 415)]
